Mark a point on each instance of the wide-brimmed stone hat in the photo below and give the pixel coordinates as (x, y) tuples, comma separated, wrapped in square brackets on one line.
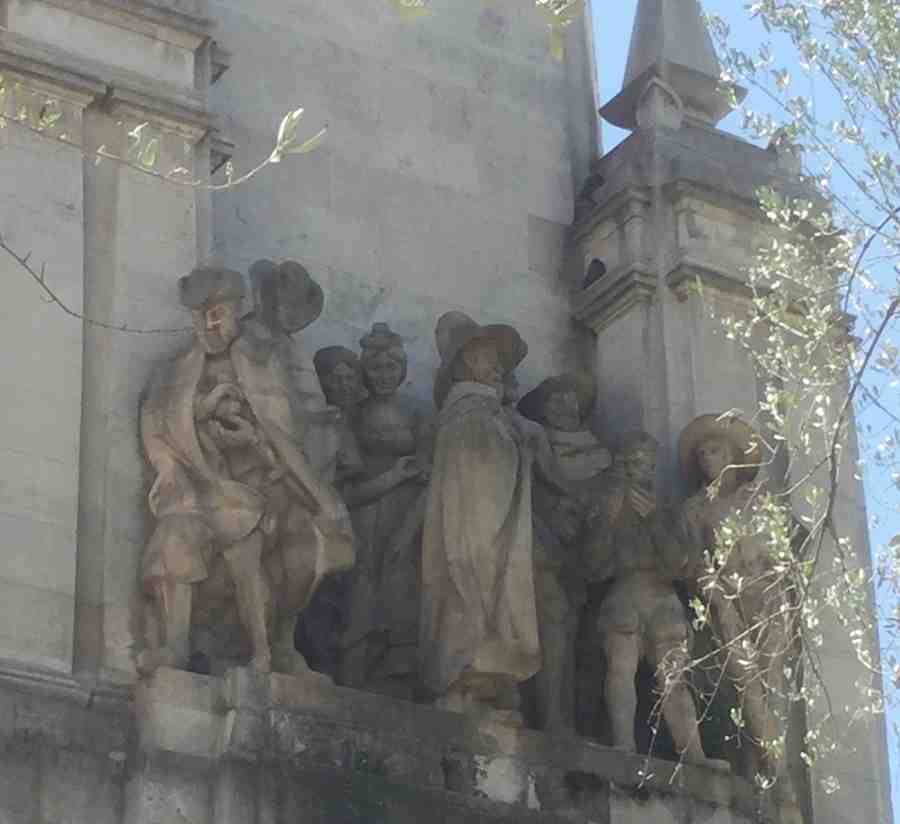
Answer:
[(456, 329), (286, 295), (208, 285), (581, 383), (742, 437)]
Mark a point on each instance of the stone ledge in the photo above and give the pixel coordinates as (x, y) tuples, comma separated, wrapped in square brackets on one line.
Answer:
[(310, 724), (172, 108)]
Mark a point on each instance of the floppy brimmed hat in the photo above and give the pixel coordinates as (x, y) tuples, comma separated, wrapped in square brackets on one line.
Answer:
[(286, 295), (581, 383), (456, 329), (207, 285), (741, 436)]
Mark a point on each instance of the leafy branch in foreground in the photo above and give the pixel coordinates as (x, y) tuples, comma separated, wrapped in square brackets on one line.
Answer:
[(820, 258), (43, 116)]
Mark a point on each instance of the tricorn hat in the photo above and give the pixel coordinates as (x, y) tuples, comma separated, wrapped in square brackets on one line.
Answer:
[(207, 285), (287, 298), (741, 436), (581, 383)]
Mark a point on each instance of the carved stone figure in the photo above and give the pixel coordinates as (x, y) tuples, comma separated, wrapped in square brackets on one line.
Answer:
[(379, 647), (722, 455), (478, 635), (633, 543), (560, 405), (242, 515)]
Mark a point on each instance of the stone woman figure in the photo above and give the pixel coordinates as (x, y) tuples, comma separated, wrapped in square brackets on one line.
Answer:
[(723, 456), (387, 504), (479, 635)]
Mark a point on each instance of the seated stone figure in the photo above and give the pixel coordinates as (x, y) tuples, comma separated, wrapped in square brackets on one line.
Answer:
[(633, 543), (243, 519), (722, 456), (478, 633), (560, 405)]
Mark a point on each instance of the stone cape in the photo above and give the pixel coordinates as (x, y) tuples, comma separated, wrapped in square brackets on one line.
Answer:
[(187, 484), (478, 588)]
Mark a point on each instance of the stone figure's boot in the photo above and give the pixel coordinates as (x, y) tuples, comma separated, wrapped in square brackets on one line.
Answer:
[(285, 656), (172, 601)]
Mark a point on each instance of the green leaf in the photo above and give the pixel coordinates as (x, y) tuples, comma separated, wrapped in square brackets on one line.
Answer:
[(307, 145)]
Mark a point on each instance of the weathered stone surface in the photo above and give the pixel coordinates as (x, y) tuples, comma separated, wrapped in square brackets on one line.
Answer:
[(331, 749)]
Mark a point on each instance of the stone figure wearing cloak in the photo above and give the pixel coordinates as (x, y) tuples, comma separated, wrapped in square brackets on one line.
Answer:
[(722, 456), (241, 511), (478, 635), (633, 543), (379, 649), (561, 405)]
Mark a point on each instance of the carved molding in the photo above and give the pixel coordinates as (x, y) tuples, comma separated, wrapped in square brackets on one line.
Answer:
[(613, 295)]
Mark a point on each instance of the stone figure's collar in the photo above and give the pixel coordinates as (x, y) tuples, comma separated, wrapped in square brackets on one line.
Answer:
[(467, 395), (464, 389)]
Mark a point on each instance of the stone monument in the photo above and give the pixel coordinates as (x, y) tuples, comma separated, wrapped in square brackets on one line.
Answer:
[(174, 496)]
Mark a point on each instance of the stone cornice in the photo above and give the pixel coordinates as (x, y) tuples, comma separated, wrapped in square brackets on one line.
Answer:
[(161, 21), (48, 684), (688, 273), (171, 108), (613, 295)]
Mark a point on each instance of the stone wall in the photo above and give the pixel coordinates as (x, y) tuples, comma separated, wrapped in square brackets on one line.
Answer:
[(446, 181)]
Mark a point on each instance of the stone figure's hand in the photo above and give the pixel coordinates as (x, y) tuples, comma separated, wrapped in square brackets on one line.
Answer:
[(238, 432), (406, 468), (207, 405), (642, 501)]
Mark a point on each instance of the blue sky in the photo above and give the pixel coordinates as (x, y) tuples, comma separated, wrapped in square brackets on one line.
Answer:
[(612, 36)]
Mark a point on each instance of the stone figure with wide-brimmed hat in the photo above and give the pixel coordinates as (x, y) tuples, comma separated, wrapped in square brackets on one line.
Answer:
[(244, 519), (478, 635), (722, 457), (561, 405)]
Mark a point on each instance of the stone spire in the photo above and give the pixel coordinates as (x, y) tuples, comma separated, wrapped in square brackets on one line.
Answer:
[(671, 45)]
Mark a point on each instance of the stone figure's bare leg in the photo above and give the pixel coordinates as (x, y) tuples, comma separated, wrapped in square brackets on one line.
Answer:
[(299, 548), (244, 561), (622, 658), (172, 627), (678, 708)]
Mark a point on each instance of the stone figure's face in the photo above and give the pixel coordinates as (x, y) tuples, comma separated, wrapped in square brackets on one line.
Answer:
[(384, 374), (713, 456), (639, 466), (482, 361), (342, 385), (562, 411), (216, 326)]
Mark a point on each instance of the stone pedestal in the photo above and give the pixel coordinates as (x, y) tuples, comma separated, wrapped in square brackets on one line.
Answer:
[(258, 748)]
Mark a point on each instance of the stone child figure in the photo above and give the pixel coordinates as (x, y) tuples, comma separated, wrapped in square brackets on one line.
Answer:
[(560, 405), (235, 497), (478, 634), (722, 455), (633, 544)]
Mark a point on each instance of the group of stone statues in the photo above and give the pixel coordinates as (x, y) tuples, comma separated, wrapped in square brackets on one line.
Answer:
[(455, 551)]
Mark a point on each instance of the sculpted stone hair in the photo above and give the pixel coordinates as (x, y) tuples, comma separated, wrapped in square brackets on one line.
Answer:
[(327, 359), (382, 340)]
